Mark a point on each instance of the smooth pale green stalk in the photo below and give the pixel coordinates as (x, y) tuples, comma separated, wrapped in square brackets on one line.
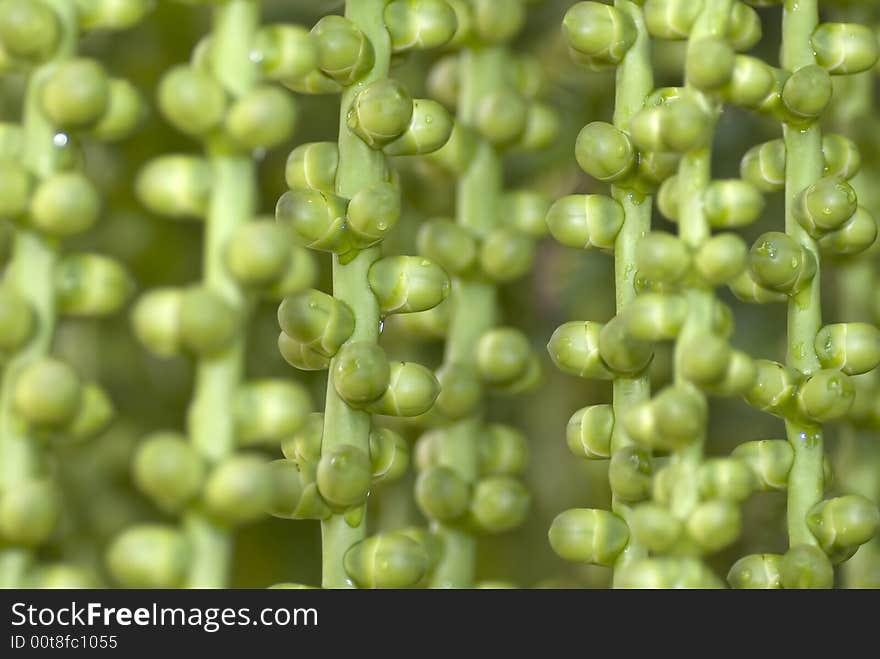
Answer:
[(474, 300), (359, 166), (803, 166), (635, 80), (694, 175), (30, 275), (233, 202)]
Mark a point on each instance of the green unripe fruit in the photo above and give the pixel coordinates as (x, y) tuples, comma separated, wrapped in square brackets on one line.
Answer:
[(497, 21), (175, 186), (856, 235), (444, 81), (256, 253), (774, 387), (499, 504), (15, 189), (588, 433), (76, 94), (746, 289), (381, 112), (403, 284), (764, 166), (673, 419), (853, 348), (709, 64), (751, 83), (671, 19), (287, 489), (502, 117), (756, 571), (442, 494), (111, 14), (807, 92), (460, 390), (779, 263), (29, 512), (447, 244), (268, 410), (156, 321), (744, 27), (629, 473), (657, 167), (301, 356), (168, 469), (29, 29), (542, 127), (17, 321), (826, 395), (506, 254), (317, 320), (315, 82), (360, 372), (654, 526), (662, 257), (668, 572), (344, 475), (739, 378), (429, 129), (149, 556), (805, 566), (732, 203), (372, 213), (208, 323), (391, 560), (622, 352), (238, 490), (285, 52), (65, 204), (677, 124), (842, 157), (456, 155), (825, 205), (704, 358), (344, 52), (715, 524), (62, 577), (313, 166), (389, 455), (574, 348), (585, 221), (192, 101), (263, 118), (317, 218), (655, 316), (412, 390), (845, 48), (599, 31), (502, 355), (726, 478), (429, 448), (842, 524), (605, 152), (125, 110), (587, 535), (502, 451), (420, 24), (721, 258), (47, 393), (304, 445), (770, 461), (91, 285), (429, 325)]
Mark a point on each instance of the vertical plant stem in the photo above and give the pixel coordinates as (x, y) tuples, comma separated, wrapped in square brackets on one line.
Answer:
[(803, 146), (233, 202), (30, 275), (359, 166), (694, 176), (635, 81), (474, 300)]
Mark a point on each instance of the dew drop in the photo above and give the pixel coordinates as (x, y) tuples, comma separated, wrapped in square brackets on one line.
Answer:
[(60, 139)]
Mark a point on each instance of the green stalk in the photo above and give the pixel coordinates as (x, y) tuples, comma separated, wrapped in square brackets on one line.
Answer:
[(30, 275), (694, 176), (804, 166), (233, 202), (359, 167), (474, 300), (635, 80)]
